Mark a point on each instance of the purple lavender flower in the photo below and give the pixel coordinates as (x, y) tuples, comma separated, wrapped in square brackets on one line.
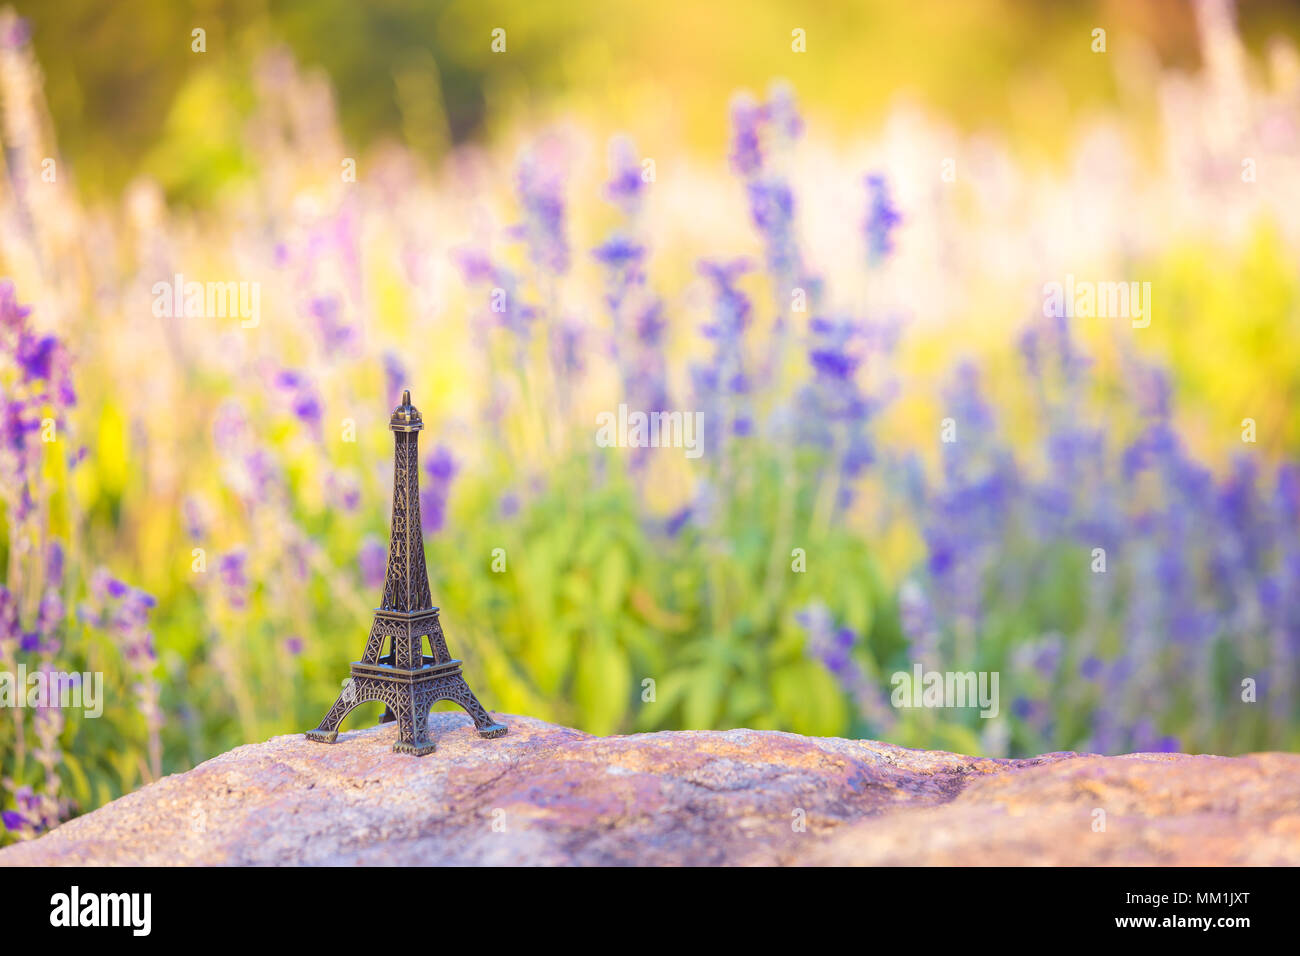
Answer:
[(733, 311), (441, 469), (833, 363), (782, 113), (650, 324), (756, 130), (771, 207), (636, 343), (195, 518), (8, 613), (882, 219), (229, 428), (336, 336), (343, 490), (373, 559), (36, 356), (619, 252), (567, 348), (54, 562), (625, 187), (395, 375), (833, 413), (50, 617), (307, 407), (1193, 560), (12, 315), (232, 568), (124, 611), (43, 386), (746, 136), (475, 266), (833, 647), (303, 400), (916, 615), (506, 302), (15, 427), (677, 521), (717, 382), (539, 185)]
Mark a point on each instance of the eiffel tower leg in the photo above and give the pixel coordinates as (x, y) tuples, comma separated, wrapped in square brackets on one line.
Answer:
[(354, 692), (456, 690), (413, 724)]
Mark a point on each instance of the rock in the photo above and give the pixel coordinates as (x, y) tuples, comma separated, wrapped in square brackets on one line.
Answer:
[(550, 795)]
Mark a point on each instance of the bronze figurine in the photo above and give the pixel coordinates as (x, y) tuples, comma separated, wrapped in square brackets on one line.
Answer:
[(408, 681)]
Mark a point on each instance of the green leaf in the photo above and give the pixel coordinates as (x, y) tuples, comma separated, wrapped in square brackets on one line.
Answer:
[(80, 782), (703, 699), (602, 687), (613, 576), (668, 693), (809, 700)]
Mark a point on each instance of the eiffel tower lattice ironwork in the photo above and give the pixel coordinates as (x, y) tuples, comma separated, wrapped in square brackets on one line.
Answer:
[(406, 680)]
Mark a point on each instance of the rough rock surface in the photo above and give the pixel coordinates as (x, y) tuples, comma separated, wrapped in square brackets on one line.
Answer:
[(550, 795)]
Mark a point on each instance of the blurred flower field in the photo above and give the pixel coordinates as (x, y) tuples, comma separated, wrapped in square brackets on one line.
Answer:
[(196, 506)]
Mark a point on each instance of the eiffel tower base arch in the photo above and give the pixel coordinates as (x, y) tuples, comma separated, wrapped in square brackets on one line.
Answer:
[(408, 695)]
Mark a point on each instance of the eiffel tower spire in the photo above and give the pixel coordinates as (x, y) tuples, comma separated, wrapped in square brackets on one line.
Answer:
[(406, 680), (406, 585)]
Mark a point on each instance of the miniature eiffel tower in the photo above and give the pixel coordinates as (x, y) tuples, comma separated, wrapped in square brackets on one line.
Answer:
[(406, 680)]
